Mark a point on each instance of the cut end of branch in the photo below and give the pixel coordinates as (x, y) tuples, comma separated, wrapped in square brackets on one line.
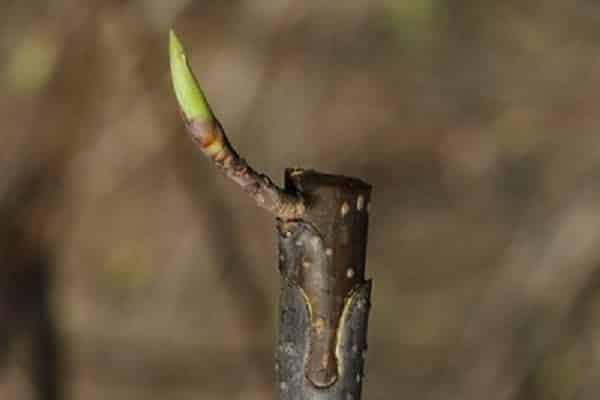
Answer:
[(189, 95)]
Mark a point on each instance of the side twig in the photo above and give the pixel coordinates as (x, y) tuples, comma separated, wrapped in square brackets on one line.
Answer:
[(209, 136)]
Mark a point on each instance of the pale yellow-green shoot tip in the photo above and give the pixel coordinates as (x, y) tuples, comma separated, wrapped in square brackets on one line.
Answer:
[(189, 95)]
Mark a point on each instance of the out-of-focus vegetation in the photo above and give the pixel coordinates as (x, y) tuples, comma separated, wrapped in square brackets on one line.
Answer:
[(476, 121)]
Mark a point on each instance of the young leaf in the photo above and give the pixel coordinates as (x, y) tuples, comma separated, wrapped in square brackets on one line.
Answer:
[(189, 95)]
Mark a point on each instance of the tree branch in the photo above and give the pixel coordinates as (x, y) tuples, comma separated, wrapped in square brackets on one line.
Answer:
[(322, 223), (209, 136)]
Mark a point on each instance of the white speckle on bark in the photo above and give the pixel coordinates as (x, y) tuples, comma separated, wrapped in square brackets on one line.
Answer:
[(345, 209), (360, 202)]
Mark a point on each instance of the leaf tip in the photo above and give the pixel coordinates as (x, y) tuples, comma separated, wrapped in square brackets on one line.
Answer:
[(189, 95)]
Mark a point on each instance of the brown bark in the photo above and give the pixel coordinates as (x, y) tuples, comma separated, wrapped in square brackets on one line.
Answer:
[(211, 139), (323, 221), (325, 298)]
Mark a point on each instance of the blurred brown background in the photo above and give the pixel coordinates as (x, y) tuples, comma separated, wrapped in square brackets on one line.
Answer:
[(130, 269)]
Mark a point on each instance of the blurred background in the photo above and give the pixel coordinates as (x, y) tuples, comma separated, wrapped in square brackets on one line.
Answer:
[(130, 269)]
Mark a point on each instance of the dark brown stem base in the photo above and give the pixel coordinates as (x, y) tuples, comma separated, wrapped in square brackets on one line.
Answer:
[(325, 298)]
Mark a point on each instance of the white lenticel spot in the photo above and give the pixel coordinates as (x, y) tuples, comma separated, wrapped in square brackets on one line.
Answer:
[(360, 202), (345, 209)]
